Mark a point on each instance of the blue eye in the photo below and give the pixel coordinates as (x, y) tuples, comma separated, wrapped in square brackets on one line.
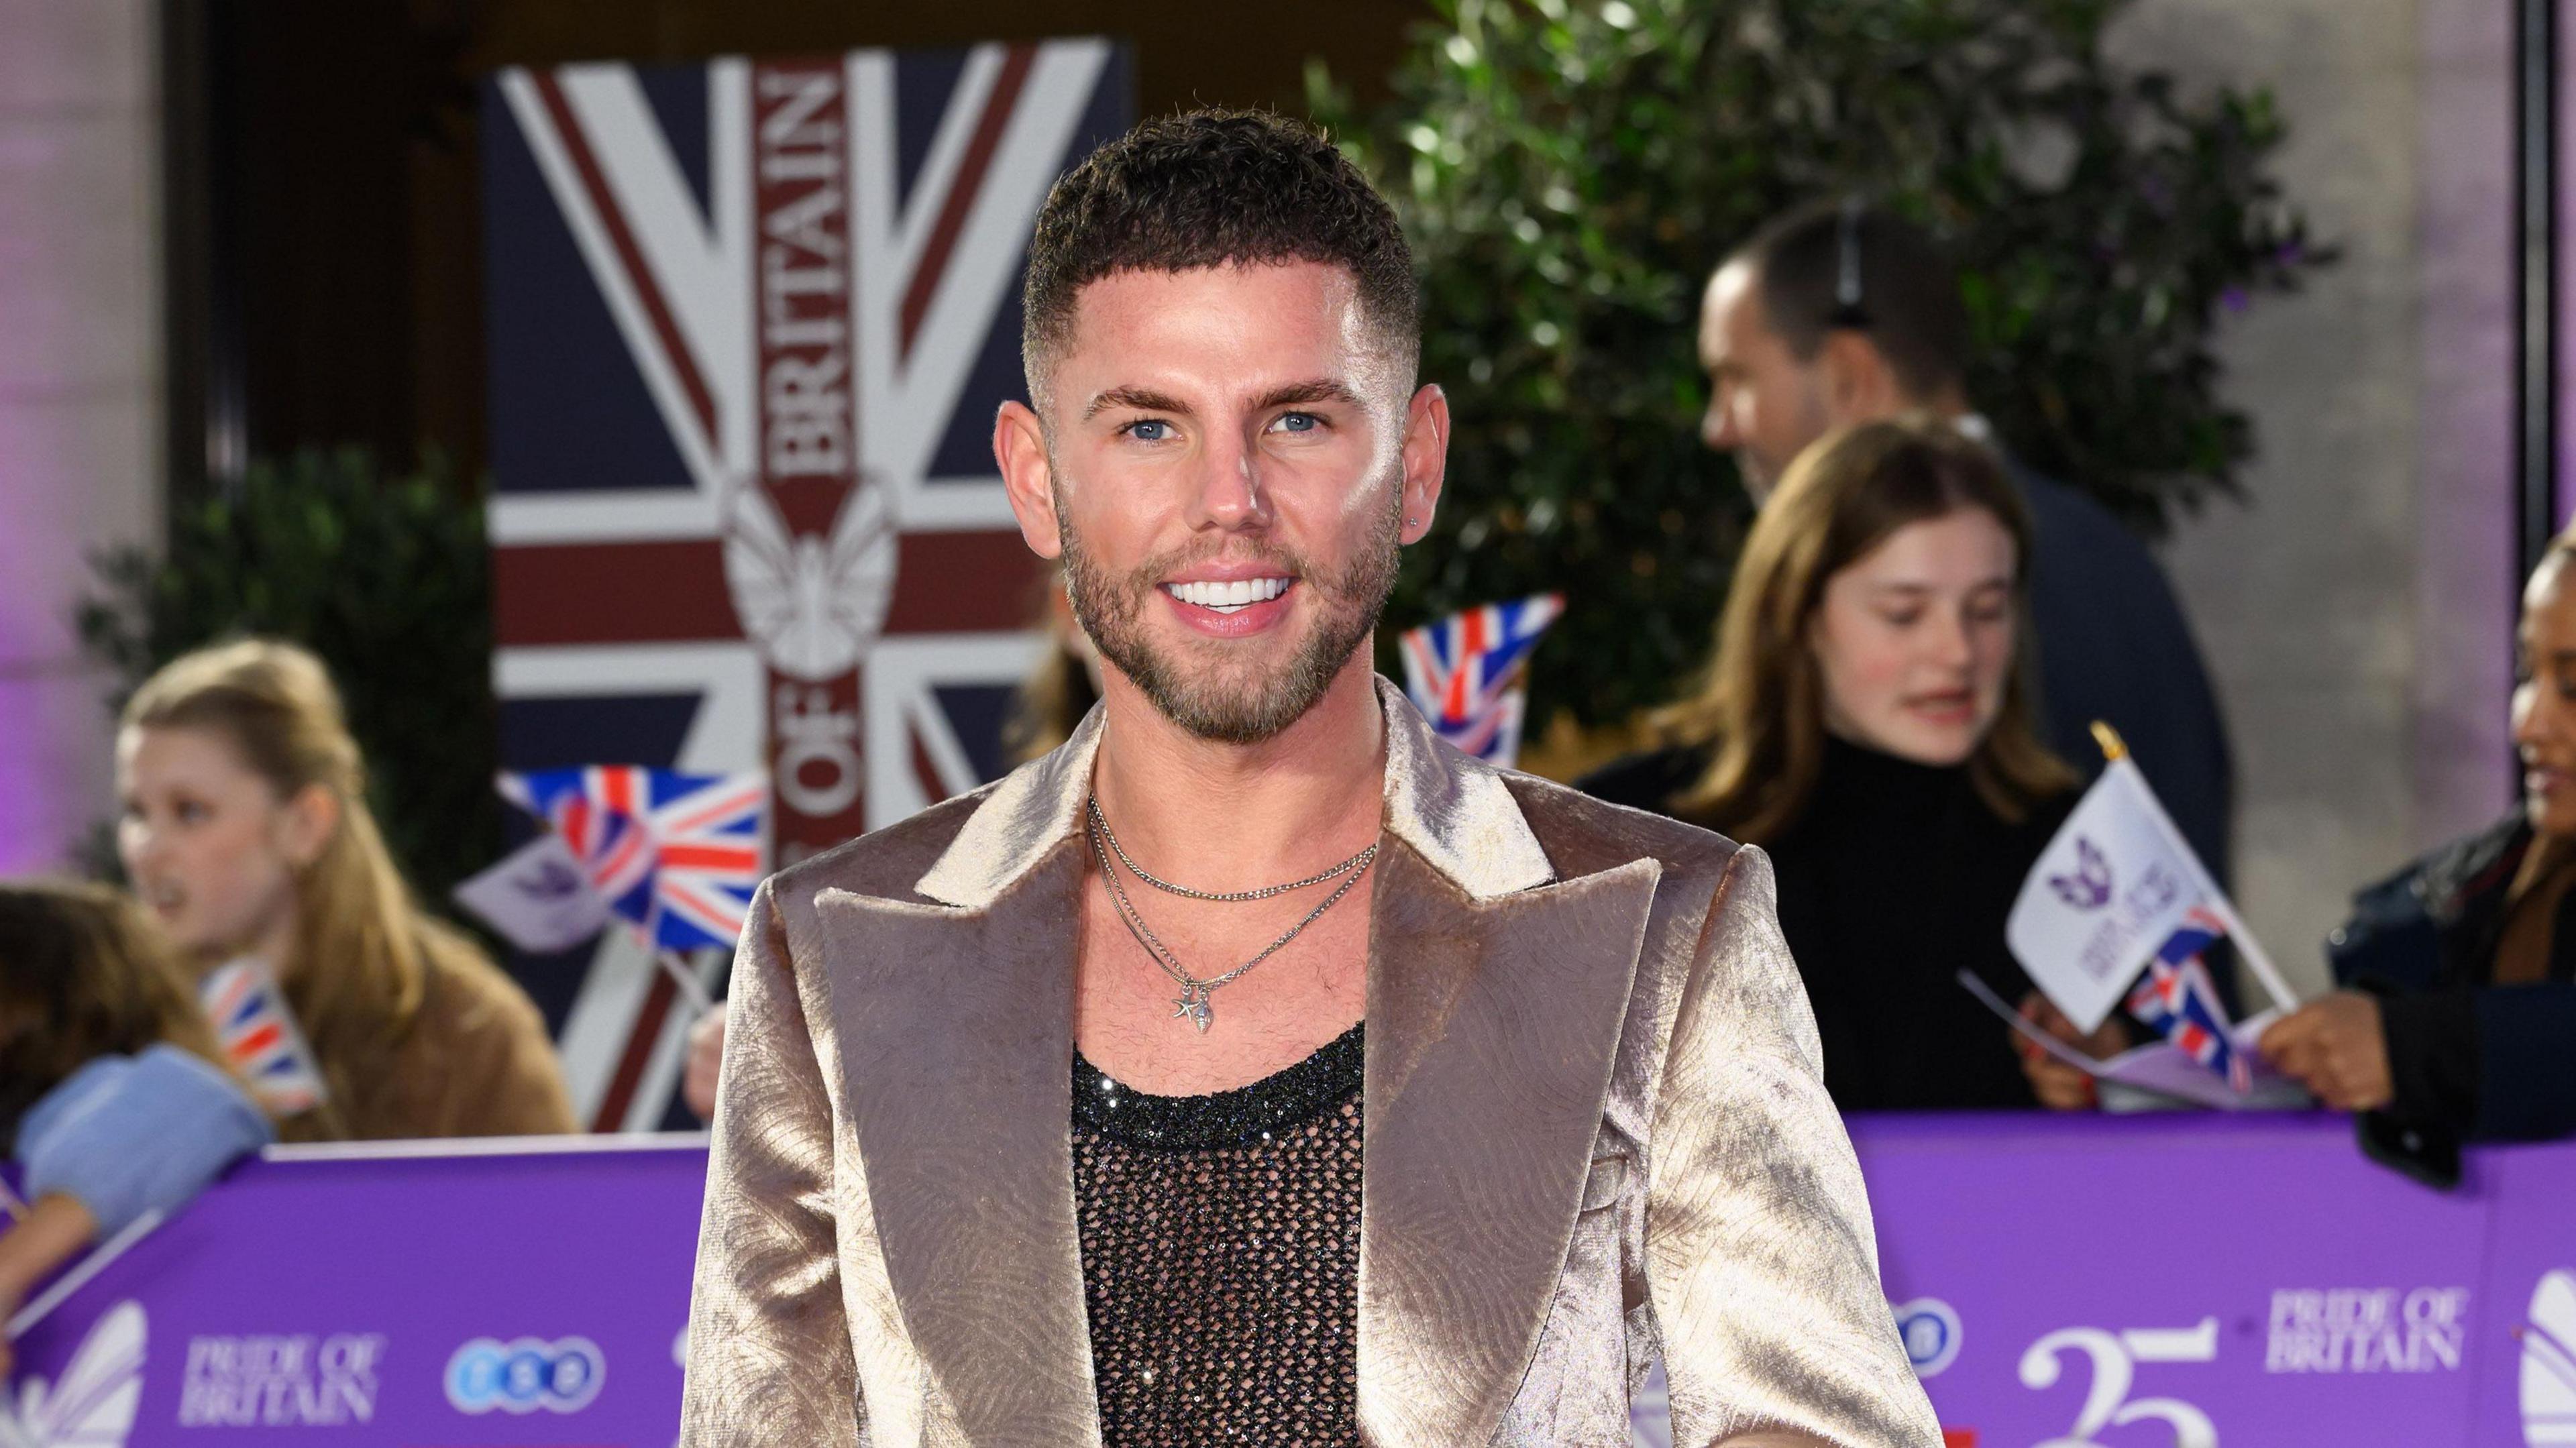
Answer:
[(1298, 422), (1149, 429)]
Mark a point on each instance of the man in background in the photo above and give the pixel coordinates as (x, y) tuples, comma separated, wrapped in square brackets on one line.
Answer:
[(1837, 314)]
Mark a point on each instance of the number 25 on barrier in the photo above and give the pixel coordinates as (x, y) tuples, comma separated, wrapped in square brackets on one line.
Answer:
[(2115, 1357)]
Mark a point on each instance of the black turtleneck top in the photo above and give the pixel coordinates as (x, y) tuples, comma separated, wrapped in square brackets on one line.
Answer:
[(1895, 878)]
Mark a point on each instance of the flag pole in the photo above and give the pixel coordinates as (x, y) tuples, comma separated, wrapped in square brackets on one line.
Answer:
[(694, 990), (89, 1267), (2114, 750)]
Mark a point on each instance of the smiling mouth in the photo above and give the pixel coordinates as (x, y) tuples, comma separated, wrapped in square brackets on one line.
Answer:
[(1218, 597)]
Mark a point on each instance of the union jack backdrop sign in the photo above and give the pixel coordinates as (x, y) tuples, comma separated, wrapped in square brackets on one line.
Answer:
[(749, 322)]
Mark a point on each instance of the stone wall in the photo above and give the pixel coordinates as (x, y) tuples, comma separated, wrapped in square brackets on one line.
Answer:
[(80, 385), (2356, 610)]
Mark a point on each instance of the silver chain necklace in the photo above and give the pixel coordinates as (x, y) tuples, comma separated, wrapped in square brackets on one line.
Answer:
[(1100, 822), (1193, 1000)]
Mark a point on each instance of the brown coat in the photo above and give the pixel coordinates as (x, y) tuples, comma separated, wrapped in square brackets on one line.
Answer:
[(1595, 1136), (475, 1061)]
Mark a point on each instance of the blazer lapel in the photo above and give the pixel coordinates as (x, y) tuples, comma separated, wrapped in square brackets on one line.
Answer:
[(958, 1051), (1493, 1023), (1495, 1002)]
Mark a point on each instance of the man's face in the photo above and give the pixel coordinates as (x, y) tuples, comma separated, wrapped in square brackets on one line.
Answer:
[(1764, 404), (1228, 457)]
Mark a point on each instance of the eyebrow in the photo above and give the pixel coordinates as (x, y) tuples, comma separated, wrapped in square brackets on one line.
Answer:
[(1315, 389), (1142, 399)]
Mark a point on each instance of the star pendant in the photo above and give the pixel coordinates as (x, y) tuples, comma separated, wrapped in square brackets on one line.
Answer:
[(1194, 1005)]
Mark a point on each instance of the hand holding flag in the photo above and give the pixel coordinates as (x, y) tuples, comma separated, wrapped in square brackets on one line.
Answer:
[(2118, 892), (675, 855)]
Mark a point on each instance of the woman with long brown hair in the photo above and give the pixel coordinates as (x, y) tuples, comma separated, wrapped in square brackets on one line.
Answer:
[(1867, 720), (245, 829)]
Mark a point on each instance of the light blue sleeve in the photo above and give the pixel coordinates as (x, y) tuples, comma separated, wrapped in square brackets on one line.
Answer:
[(127, 1134)]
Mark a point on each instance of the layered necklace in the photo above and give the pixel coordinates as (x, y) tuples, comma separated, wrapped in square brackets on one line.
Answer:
[(1193, 1000)]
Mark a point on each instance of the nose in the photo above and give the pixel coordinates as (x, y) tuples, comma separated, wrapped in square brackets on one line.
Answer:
[(1718, 427), (2538, 715), (139, 843), (1952, 642), (1228, 487)]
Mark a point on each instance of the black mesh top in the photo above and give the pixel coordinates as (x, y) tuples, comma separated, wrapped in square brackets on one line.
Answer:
[(1220, 1255)]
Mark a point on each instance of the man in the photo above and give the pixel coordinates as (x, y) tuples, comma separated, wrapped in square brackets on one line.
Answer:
[(1837, 314), (1421, 1103)]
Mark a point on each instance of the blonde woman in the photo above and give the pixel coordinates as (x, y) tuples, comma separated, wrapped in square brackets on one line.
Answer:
[(1867, 720), (245, 829)]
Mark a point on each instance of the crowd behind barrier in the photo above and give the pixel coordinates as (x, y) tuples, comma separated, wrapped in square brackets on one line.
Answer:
[(2188, 1281), (2053, 1280)]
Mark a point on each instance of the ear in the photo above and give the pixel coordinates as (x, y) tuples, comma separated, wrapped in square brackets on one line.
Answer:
[(1426, 458), (1028, 478), (307, 823), (1859, 386)]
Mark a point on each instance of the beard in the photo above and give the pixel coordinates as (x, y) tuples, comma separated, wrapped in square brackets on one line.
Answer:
[(1223, 690)]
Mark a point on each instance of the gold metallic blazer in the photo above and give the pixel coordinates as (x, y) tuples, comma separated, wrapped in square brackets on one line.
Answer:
[(1595, 1135)]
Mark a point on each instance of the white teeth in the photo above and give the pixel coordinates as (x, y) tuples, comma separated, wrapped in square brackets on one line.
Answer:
[(1227, 597)]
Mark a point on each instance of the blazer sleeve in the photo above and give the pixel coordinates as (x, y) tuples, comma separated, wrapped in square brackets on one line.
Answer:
[(1760, 1258), (769, 1356)]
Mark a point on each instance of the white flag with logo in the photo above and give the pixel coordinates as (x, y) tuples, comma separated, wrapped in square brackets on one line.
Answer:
[(539, 896), (2110, 888)]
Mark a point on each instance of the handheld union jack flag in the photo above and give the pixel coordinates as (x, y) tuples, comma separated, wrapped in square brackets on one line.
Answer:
[(2176, 997), (1464, 672), (259, 1038), (676, 854)]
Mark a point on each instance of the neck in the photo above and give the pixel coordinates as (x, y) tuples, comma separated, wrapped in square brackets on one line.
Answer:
[(1871, 748), (1241, 816), (274, 945)]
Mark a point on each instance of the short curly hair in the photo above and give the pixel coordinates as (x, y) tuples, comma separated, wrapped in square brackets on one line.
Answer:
[(1206, 188)]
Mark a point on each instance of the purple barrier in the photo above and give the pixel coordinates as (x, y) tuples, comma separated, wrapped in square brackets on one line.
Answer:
[(452, 1299), (2192, 1280), (2135, 1283)]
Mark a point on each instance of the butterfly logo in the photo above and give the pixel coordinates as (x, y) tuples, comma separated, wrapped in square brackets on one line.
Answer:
[(2548, 1364), (2088, 886), (811, 604), (554, 880), (94, 1403)]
